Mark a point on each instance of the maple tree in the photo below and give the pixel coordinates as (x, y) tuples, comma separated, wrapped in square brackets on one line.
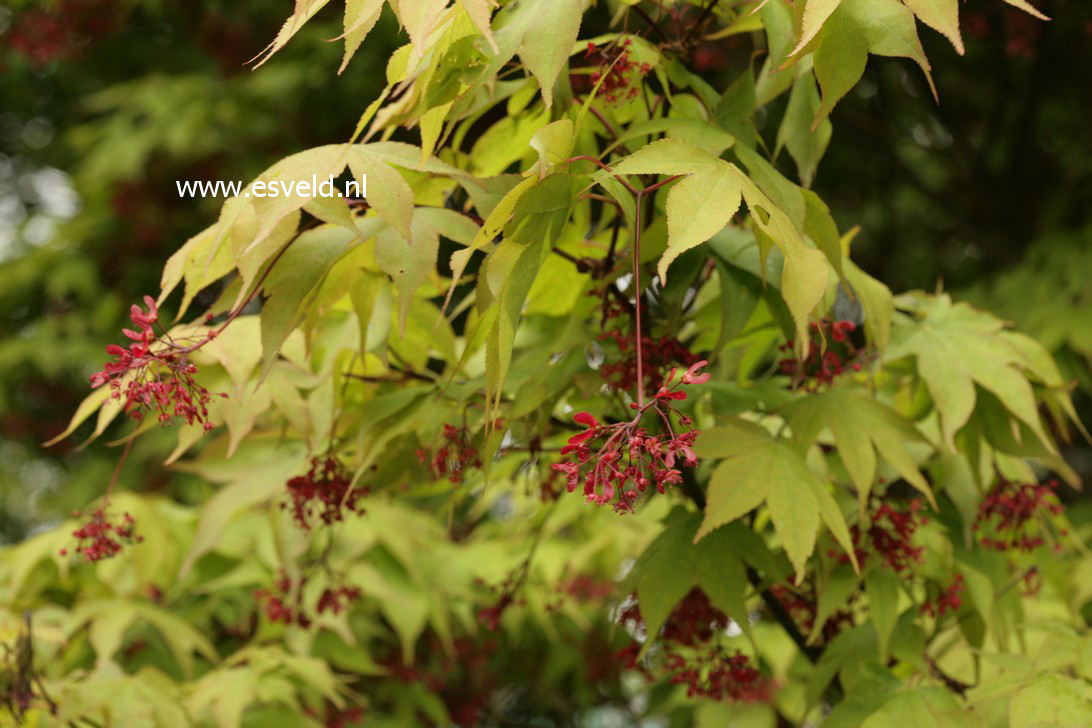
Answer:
[(826, 501)]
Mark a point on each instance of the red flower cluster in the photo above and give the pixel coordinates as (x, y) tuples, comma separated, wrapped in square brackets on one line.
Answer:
[(1014, 516), (103, 536), (549, 489), (341, 717), (890, 535), (63, 32), (337, 599), (461, 677), (694, 621), (719, 676), (803, 606), (490, 616), (584, 588), (155, 372), (830, 353), (621, 76), (692, 655), (947, 601), (657, 355), (627, 459), (454, 457), (325, 489), (284, 602)]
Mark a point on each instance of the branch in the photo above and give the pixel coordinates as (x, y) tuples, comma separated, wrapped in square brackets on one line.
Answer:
[(651, 23), (700, 21)]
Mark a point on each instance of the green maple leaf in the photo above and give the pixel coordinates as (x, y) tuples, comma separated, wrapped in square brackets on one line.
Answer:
[(958, 347), (861, 427), (765, 470)]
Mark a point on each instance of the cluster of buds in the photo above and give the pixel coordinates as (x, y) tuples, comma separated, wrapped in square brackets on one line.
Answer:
[(326, 491), (949, 600), (831, 352), (1014, 516), (284, 602), (692, 654), (618, 462), (154, 373), (454, 457), (103, 536), (889, 535), (620, 75)]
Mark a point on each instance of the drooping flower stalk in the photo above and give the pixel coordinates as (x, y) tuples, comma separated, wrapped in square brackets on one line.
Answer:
[(627, 459)]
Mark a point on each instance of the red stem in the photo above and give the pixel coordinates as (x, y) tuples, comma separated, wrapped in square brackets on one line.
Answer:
[(637, 283), (584, 157), (637, 302), (117, 472)]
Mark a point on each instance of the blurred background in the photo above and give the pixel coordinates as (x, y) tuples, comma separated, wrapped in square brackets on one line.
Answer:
[(105, 103)]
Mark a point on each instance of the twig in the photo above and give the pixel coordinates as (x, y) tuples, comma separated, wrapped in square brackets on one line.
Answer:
[(700, 21), (651, 23), (117, 472)]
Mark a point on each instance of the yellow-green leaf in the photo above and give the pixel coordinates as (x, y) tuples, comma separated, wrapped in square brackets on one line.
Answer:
[(940, 15), (697, 208)]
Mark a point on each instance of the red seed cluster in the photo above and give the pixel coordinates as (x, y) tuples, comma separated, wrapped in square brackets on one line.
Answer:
[(619, 462), (454, 457), (889, 535), (947, 601), (103, 536), (620, 75), (692, 654), (831, 352), (154, 373), (1015, 516), (326, 491)]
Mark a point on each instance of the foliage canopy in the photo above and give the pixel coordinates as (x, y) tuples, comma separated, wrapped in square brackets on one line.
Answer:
[(584, 413)]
